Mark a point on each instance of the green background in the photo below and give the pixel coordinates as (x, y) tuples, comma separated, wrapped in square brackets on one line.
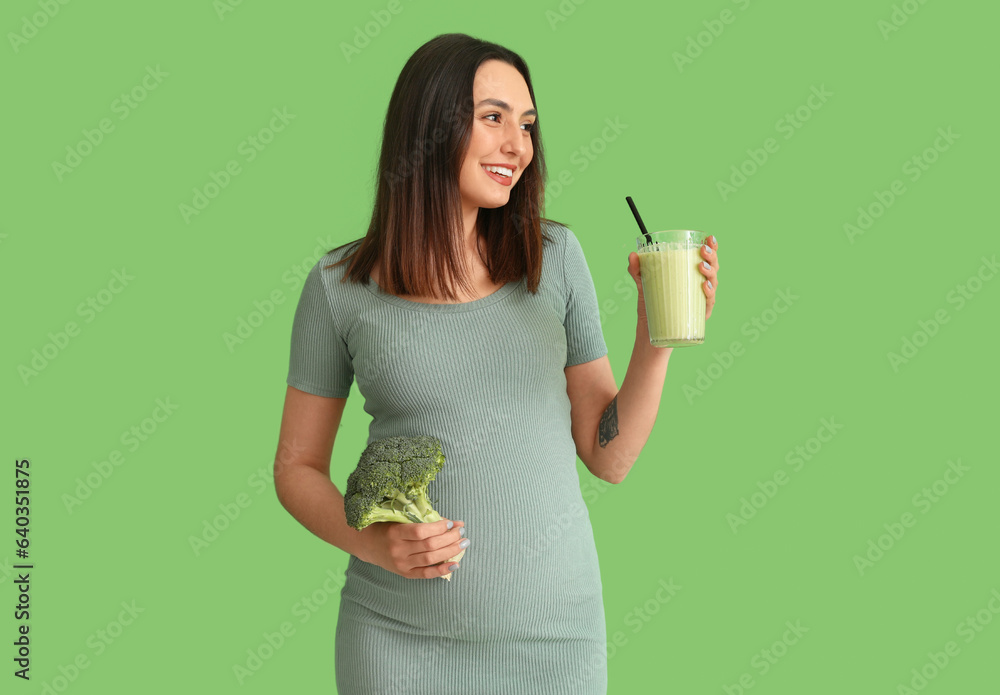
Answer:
[(857, 297)]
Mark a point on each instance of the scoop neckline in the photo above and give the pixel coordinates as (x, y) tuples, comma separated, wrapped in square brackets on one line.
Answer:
[(452, 307)]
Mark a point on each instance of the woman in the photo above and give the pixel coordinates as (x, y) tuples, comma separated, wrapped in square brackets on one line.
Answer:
[(506, 364)]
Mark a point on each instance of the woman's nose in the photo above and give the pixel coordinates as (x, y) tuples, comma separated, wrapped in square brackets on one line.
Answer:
[(516, 140)]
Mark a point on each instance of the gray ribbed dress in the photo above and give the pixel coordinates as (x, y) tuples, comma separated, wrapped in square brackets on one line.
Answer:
[(524, 613)]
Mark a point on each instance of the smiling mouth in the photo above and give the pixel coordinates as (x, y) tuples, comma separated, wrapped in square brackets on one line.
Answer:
[(502, 175), (500, 170)]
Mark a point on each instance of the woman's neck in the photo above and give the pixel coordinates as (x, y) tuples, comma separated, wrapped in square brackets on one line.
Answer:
[(471, 236)]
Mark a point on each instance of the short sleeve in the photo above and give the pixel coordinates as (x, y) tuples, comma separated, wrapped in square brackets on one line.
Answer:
[(320, 362), (584, 337)]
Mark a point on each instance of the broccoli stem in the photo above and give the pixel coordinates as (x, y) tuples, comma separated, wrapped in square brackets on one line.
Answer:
[(401, 504), (424, 509), (418, 510)]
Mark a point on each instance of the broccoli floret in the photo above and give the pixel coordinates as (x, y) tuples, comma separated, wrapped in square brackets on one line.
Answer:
[(390, 482)]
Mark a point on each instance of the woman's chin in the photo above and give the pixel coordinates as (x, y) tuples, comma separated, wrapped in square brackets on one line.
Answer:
[(496, 201)]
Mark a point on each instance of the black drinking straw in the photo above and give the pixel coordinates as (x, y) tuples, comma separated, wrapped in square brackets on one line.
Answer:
[(628, 199)]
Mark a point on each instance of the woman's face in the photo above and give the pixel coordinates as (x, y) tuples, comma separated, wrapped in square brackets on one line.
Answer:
[(503, 116)]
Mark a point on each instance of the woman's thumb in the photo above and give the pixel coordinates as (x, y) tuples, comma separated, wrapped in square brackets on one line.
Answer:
[(633, 268)]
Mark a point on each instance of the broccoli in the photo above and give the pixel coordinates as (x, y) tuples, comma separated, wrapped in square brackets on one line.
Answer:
[(390, 483)]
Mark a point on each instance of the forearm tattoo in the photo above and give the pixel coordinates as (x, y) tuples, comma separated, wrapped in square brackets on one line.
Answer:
[(609, 424)]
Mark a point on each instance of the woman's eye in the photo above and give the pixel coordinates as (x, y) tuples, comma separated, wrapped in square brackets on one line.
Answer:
[(528, 127)]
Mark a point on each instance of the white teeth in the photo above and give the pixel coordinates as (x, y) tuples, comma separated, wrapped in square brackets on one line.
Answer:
[(503, 171)]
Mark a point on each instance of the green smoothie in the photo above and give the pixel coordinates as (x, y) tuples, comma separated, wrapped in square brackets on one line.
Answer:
[(671, 288)]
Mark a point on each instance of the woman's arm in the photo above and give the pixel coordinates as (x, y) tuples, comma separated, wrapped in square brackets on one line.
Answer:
[(628, 420), (610, 425), (627, 415), (309, 426)]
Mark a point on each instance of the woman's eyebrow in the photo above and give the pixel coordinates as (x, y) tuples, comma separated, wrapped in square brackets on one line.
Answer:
[(505, 106)]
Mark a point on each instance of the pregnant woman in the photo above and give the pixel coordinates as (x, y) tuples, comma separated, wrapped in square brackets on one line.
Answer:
[(465, 315)]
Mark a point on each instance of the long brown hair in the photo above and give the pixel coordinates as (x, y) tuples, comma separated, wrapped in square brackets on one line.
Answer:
[(415, 231)]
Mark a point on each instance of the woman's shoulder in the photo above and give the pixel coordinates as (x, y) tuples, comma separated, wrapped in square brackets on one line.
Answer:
[(564, 239), (556, 234), (342, 251), (326, 276), (330, 265), (553, 229)]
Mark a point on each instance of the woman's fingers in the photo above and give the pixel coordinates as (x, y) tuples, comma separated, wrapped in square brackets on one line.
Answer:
[(710, 264), (709, 267), (419, 532), (438, 555), (435, 571), (427, 546), (433, 543), (709, 291), (635, 269)]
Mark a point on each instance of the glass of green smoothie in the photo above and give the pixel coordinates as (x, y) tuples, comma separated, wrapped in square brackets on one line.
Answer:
[(671, 287)]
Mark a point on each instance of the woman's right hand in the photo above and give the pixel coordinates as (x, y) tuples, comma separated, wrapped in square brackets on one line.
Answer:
[(414, 551)]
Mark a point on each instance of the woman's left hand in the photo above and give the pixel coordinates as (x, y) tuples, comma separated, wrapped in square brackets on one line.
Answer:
[(710, 269)]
